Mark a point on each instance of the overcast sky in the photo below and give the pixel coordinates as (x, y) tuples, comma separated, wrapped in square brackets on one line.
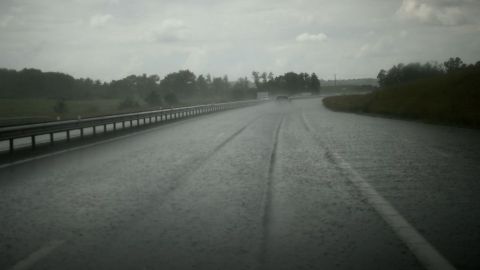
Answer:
[(109, 39)]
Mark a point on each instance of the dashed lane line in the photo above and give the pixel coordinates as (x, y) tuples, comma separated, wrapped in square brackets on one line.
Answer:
[(425, 252), (36, 256)]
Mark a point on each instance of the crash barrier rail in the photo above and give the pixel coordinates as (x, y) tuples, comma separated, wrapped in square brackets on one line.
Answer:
[(119, 121)]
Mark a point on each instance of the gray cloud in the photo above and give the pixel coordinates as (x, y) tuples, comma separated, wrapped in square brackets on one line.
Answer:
[(307, 37), (100, 20), (109, 39), (443, 12)]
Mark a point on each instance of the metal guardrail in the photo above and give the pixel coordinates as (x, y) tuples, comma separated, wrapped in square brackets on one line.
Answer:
[(31, 131)]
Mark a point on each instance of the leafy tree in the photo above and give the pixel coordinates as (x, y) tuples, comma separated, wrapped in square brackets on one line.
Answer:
[(128, 103), (314, 84), (256, 79), (171, 99), (153, 99), (453, 64), (202, 85), (270, 76), (382, 77), (182, 83), (264, 78), (241, 89), (399, 74)]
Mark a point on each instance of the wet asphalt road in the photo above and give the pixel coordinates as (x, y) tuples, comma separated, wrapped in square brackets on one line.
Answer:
[(252, 188)]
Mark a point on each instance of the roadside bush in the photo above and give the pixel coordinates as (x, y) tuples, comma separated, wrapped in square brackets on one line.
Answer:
[(60, 107), (128, 103), (153, 99), (453, 98), (171, 99)]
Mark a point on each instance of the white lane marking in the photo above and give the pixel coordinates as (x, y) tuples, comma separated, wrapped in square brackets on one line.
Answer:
[(425, 252), (37, 255), (71, 149)]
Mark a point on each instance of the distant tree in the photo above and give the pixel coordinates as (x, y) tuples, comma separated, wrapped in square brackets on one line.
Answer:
[(202, 85), (401, 73), (128, 103), (293, 82), (453, 64), (171, 99), (263, 76), (314, 84), (153, 99), (182, 83), (382, 77), (241, 89), (256, 79), (220, 87), (270, 76)]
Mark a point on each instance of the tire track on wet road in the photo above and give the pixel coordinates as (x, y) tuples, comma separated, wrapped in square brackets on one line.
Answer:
[(177, 180), (267, 203)]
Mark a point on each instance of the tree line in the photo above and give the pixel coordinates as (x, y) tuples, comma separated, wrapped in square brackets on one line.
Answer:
[(175, 88), (401, 73), (289, 83)]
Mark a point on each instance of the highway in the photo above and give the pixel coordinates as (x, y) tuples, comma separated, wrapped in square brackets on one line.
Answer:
[(286, 185)]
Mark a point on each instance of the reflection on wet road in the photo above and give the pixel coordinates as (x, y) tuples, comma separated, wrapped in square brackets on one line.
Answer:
[(275, 186)]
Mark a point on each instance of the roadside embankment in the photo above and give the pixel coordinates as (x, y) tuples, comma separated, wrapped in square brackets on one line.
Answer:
[(450, 99)]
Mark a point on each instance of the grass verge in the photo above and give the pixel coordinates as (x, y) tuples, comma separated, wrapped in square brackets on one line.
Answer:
[(450, 99)]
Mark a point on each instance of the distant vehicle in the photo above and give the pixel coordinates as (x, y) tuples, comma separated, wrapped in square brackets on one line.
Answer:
[(262, 96), (282, 98)]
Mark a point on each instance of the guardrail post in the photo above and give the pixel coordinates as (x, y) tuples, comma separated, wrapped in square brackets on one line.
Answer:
[(104, 128), (68, 135), (123, 124), (94, 131), (81, 132), (33, 141), (114, 126), (10, 149), (51, 138)]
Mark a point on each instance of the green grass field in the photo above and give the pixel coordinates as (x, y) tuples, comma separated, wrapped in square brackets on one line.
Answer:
[(14, 111), (450, 99)]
